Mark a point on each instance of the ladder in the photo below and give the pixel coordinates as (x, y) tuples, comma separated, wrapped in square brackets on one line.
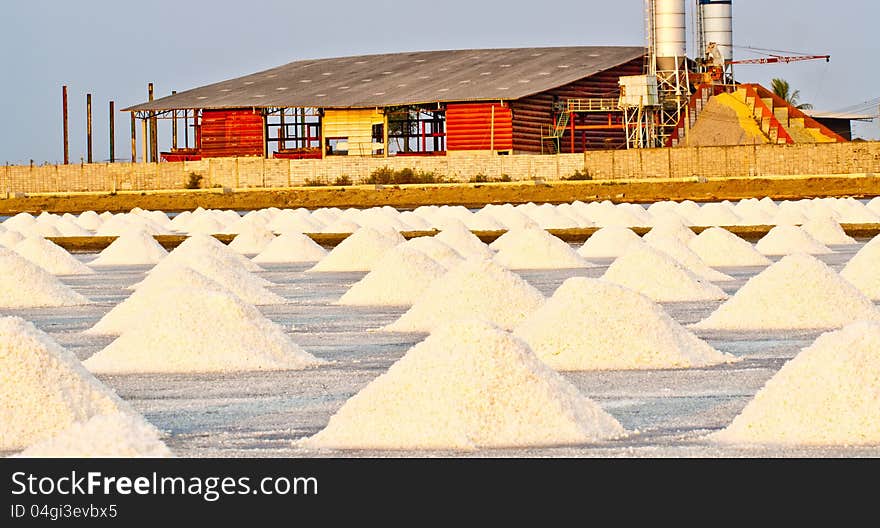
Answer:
[(557, 131)]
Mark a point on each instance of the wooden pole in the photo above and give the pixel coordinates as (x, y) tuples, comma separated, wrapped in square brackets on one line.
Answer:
[(492, 132), (112, 132), (133, 139), (174, 125), (186, 129), (154, 133), (146, 153), (64, 118), (89, 128)]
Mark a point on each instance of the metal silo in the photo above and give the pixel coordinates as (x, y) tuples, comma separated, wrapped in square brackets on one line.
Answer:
[(716, 25), (669, 34)]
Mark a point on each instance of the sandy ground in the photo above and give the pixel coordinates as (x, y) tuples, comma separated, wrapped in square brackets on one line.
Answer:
[(261, 414)]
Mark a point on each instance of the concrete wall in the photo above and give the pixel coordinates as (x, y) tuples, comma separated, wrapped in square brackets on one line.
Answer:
[(708, 162)]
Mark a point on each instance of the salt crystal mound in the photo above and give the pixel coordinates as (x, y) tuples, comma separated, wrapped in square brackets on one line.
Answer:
[(415, 221), (342, 225), (606, 214), (789, 239), (874, 205), (469, 385), (478, 223), (128, 313), (547, 217), (209, 332), (114, 435), (19, 221), (537, 249), (289, 248), (203, 225), (670, 227), (132, 248), (789, 216), (397, 279), (291, 222), (24, 284), (210, 244), (69, 228), (660, 277), (826, 230), (716, 214), (252, 240), (687, 258), (242, 283), (40, 229), (10, 238), (829, 394), (123, 223), (861, 270), (461, 239), (43, 387), (51, 257), (358, 252), (799, 291), (437, 250), (717, 246), (474, 288), (591, 324), (610, 242), (89, 220), (854, 212)]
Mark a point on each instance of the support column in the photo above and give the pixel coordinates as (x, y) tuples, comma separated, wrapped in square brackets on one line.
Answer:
[(112, 132), (133, 139), (88, 128), (64, 119)]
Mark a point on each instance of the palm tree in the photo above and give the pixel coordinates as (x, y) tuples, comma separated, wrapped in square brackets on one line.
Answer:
[(783, 90)]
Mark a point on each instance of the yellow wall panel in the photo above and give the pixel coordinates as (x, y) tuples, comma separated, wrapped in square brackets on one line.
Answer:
[(356, 125)]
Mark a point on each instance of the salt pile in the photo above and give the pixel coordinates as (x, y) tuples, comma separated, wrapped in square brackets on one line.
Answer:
[(397, 279), (89, 220), (687, 258), (717, 246), (116, 435), (826, 230), (290, 247), (474, 288), (342, 225), (210, 244), (829, 394), (294, 222), (534, 248), (609, 242), (716, 214), (788, 239), (208, 331), (358, 252), (669, 227), (468, 385), (861, 270), (24, 284), (252, 240), (460, 238), (591, 324), (19, 221), (436, 249), (660, 277), (44, 389), (10, 238), (799, 291), (201, 225), (51, 257), (132, 248)]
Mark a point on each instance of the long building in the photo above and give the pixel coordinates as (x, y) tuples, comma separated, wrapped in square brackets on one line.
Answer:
[(505, 101)]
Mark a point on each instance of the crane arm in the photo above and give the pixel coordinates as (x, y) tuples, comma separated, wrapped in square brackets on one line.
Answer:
[(779, 58)]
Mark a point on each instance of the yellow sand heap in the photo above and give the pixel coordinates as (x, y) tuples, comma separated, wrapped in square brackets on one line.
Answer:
[(725, 120)]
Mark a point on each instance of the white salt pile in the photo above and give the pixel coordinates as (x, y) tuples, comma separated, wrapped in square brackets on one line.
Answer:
[(358, 252), (717, 246), (591, 324), (19, 221), (534, 248), (117, 435), (210, 244), (610, 242), (24, 284), (132, 248), (468, 385), (670, 227), (200, 225), (252, 240), (660, 277), (342, 225), (789, 239), (436, 249), (460, 238), (861, 270), (799, 291), (205, 332), (826, 230), (687, 258), (89, 220), (51, 257), (10, 238), (826, 395), (291, 247), (44, 389), (474, 288), (397, 279), (716, 214), (294, 222), (70, 228)]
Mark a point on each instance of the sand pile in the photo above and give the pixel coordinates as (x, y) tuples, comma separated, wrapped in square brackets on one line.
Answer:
[(51, 257), (660, 277), (826, 230), (200, 331), (358, 252), (252, 240), (725, 120), (687, 258), (132, 248), (717, 246), (44, 389), (24, 284), (436, 249), (209, 244), (474, 288), (861, 270), (459, 237), (535, 248), (397, 279), (826, 395), (610, 242), (799, 291), (789, 239), (591, 324), (468, 385), (290, 247)]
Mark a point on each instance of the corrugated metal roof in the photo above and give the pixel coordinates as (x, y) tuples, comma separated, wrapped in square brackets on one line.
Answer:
[(404, 78), (840, 115)]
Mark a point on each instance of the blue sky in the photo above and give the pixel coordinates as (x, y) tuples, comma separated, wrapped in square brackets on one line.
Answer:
[(112, 49)]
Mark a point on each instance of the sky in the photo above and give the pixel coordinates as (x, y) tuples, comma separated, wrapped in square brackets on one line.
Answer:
[(114, 48)]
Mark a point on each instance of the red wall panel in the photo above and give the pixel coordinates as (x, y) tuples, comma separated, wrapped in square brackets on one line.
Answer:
[(469, 126), (227, 133)]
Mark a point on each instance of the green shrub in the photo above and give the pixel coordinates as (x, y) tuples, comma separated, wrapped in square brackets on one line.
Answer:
[(388, 176), (341, 181), (314, 183), (482, 178), (578, 176)]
